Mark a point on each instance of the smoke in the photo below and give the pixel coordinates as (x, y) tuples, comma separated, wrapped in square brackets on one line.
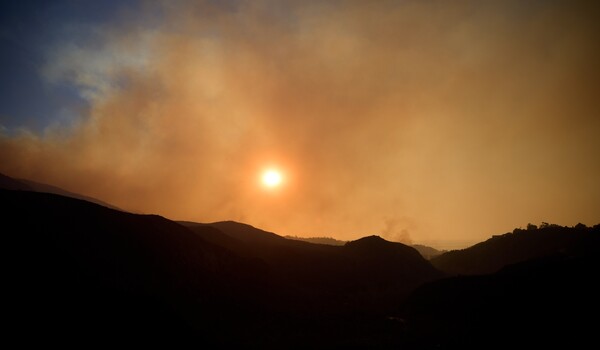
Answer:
[(467, 118), (397, 230)]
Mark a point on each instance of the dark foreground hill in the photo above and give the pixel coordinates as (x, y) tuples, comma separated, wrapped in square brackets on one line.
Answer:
[(518, 246), (550, 302), (544, 293), (79, 272)]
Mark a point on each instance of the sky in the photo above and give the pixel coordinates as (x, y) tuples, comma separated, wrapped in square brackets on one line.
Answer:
[(437, 122)]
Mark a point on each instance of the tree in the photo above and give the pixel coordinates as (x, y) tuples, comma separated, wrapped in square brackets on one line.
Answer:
[(531, 227)]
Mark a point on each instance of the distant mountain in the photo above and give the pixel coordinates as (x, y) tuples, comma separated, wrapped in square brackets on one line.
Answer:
[(243, 232), (9, 183), (427, 252), (518, 246), (370, 264), (243, 239), (541, 303), (318, 240), (381, 259)]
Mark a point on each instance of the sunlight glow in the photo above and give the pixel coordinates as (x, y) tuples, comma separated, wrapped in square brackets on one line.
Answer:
[(271, 178)]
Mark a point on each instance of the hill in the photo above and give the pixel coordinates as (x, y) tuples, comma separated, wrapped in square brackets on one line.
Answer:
[(83, 271), (352, 273), (9, 183), (427, 252), (541, 303), (78, 272), (99, 273), (318, 240), (518, 246)]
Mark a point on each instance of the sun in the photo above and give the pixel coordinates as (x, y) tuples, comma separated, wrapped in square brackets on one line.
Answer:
[(271, 178)]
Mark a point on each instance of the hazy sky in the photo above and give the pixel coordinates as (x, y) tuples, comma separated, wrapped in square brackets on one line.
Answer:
[(441, 122)]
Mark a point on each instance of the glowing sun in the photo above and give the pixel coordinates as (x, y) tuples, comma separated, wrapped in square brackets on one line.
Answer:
[(271, 178)]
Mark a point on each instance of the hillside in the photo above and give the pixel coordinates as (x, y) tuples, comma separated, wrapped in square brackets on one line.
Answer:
[(111, 274), (354, 271), (541, 303), (518, 246), (426, 251), (115, 275), (9, 183), (318, 240), (106, 274)]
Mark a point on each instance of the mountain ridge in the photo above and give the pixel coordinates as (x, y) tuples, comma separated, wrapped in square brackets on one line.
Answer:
[(113, 274), (543, 302), (350, 270), (89, 263), (92, 264), (10, 183), (517, 246)]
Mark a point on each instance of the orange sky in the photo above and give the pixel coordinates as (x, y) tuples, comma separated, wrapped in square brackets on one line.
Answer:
[(434, 122)]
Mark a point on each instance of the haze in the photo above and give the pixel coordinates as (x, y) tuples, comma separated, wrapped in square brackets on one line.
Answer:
[(422, 121)]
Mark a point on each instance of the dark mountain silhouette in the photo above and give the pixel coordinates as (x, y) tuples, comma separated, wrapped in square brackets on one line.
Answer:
[(549, 302), (318, 240), (84, 271), (520, 245), (79, 270), (369, 264), (9, 183), (427, 252), (246, 233), (342, 294), (243, 239)]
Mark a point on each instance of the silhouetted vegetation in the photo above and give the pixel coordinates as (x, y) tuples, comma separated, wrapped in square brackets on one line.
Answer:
[(517, 246), (318, 240)]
